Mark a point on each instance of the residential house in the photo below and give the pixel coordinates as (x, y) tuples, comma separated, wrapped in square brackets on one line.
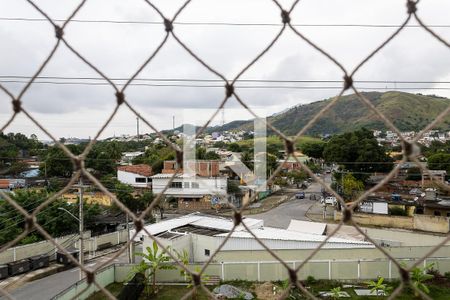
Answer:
[(204, 188), (138, 176)]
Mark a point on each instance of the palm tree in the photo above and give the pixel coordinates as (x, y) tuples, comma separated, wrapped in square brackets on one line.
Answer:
[(152, 262)]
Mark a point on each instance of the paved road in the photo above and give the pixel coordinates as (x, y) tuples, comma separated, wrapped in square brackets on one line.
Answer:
[(50, 286), (293, 209)]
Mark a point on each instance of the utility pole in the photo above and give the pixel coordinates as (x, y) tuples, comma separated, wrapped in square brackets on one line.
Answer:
[(81, 187), (81, 253), (128, 238), (173, 123), (137, 128)]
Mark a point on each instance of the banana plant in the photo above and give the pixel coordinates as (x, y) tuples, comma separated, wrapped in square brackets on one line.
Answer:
[(153, 261)]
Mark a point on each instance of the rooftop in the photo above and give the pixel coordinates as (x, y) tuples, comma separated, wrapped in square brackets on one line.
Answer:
[(142, 169)]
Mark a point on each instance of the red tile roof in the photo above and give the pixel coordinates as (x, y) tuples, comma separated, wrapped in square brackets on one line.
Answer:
[(144, 170)]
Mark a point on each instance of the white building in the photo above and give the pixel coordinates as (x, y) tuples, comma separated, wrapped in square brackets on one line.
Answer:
[(202, 235), (135, 175), (127, 157), (189, 186)]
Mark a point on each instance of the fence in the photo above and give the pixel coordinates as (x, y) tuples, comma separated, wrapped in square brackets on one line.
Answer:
[(91, 245), (410, 148), (262, 271)]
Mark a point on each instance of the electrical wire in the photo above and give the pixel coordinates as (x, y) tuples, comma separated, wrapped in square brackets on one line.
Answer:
[(187, 23)]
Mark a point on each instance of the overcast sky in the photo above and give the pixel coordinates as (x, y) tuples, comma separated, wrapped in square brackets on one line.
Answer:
[(78, 110)]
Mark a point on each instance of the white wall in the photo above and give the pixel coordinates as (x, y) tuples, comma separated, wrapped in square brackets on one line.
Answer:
[(130, 178)]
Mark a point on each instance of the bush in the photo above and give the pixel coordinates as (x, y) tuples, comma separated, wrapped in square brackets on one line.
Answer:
[(397, 211), (311, 280), (447, 275)]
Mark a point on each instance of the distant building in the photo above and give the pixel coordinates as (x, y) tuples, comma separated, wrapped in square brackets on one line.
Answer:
[(135, 175), (127, 157)]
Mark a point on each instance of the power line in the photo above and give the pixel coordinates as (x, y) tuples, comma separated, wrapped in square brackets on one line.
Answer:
[(220, 80), (261, 24), (337, 87)]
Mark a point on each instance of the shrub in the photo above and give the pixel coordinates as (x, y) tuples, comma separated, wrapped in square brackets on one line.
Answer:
[(397, 211)]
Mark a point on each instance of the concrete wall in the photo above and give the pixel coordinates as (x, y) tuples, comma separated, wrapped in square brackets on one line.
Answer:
[(431, 223), (333, 254), (46, 247), (379, 220), (417, 222)]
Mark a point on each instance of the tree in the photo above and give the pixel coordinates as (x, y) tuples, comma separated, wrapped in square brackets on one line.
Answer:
[(358, 152), (17, 168), (234, 147), (210, 155), (351, 186), (50, 217), (57, 163), (152, 261), (314, 150), (439, 161), (297, 176)]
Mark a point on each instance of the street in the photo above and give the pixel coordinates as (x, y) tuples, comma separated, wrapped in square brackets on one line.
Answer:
[(294, 208), (50, 286)]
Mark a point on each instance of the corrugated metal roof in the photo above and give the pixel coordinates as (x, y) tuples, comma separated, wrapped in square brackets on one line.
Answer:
[(271, 233), (307, 227), (276, 237), (199, 220)]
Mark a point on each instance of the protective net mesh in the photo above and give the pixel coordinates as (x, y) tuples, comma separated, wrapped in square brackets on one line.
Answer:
[(410, 148)]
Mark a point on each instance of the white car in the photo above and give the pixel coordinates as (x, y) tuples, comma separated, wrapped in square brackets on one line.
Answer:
[(328, 200)]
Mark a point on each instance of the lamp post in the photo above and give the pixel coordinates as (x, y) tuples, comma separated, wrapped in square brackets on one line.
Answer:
[(80, 219)]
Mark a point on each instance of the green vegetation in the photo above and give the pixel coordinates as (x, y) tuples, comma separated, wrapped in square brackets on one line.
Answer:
[(152, 262), (407, 111), (56, 223), (353, 150), (15, 146), (352, 187), (437, 292), (378, 287), (439, 161)]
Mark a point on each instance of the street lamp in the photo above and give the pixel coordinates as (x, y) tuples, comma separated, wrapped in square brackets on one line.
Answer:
[(80, 243), (62, 208)]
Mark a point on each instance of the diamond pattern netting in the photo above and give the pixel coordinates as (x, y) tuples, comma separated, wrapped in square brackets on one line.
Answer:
[(410, 149)]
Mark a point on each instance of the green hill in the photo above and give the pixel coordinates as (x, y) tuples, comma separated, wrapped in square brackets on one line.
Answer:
[(407, 111)]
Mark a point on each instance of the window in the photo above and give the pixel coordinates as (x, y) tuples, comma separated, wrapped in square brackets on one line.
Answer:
[(207, 252), (176, 185), (437, 213), (149, 179), (186, 185), (141, 180), (194, 185)]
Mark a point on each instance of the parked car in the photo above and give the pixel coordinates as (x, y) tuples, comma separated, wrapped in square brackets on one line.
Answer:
[(300, 195), (328, 200), (415, 191)]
